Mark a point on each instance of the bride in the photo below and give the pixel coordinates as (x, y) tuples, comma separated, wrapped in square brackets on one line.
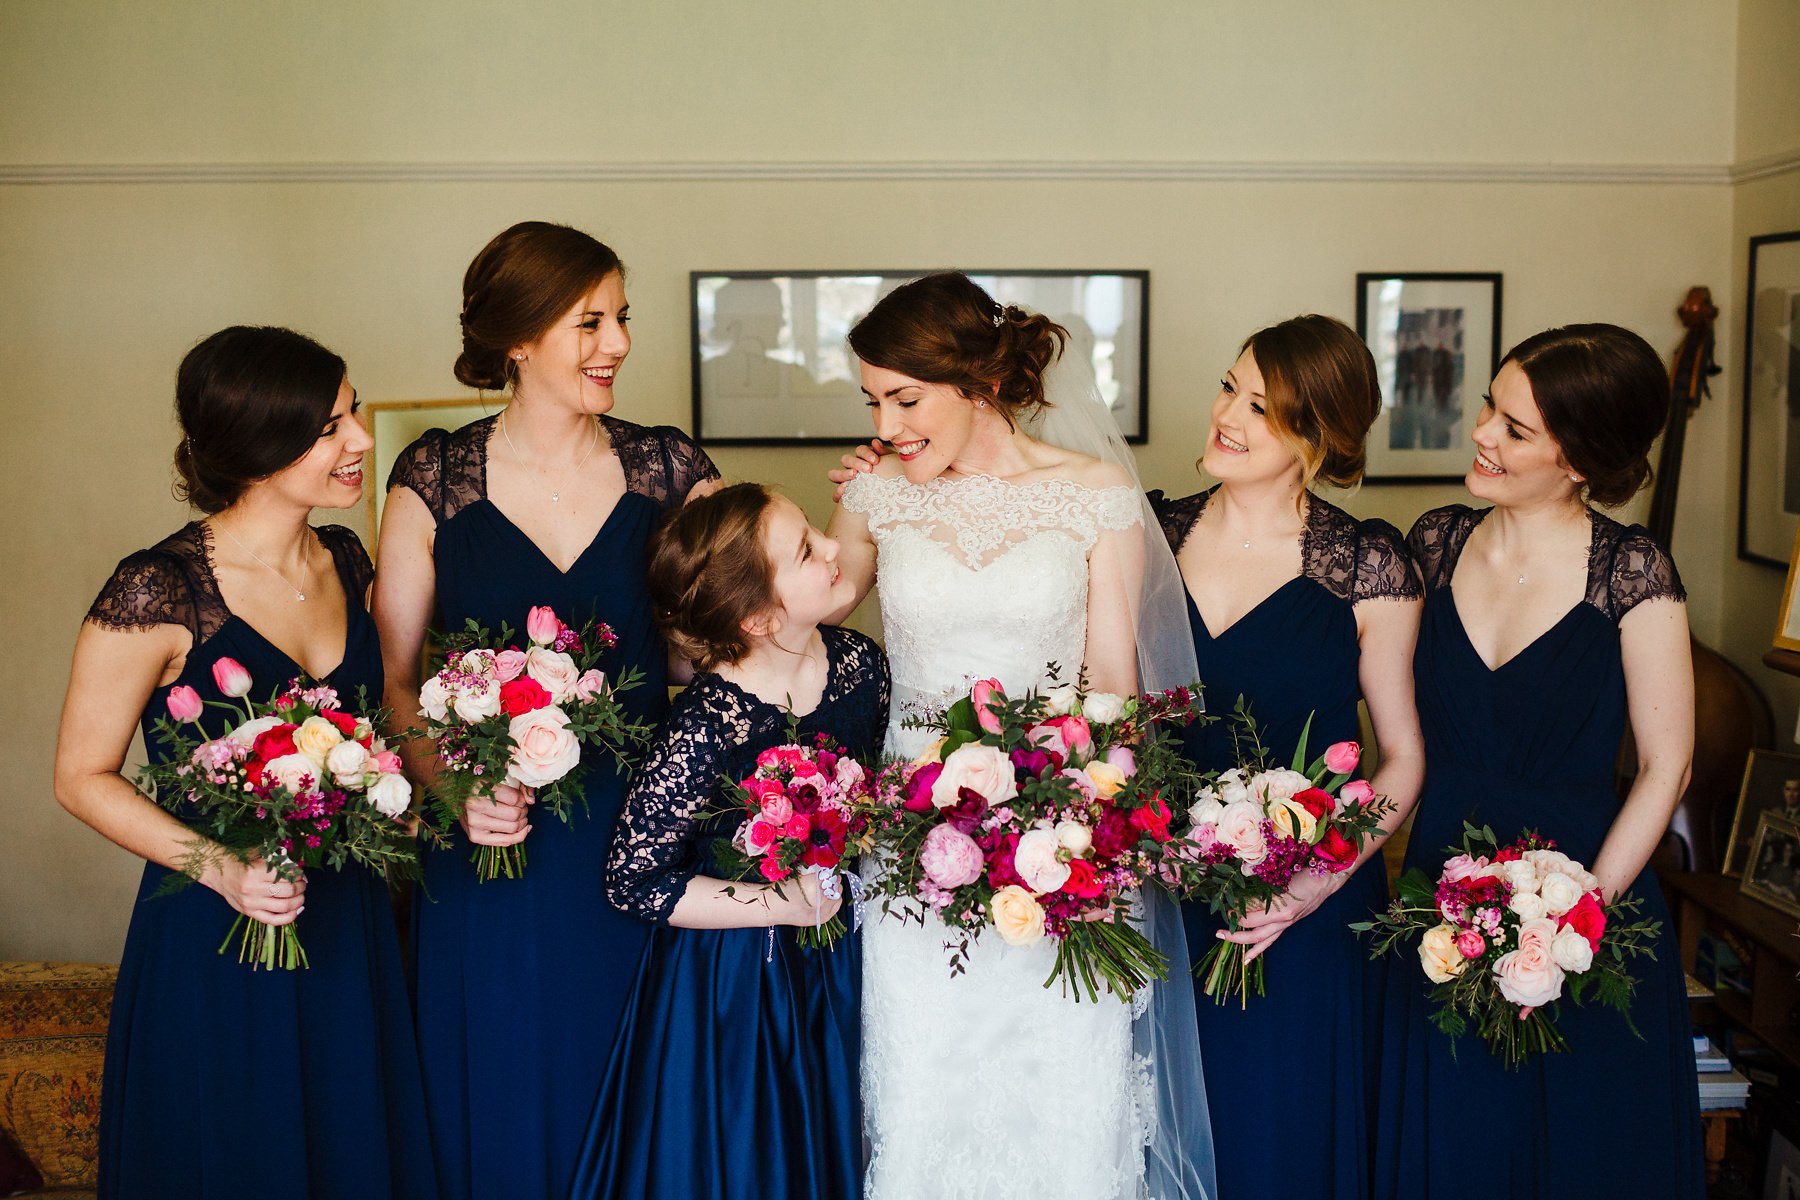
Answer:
[(999, 552)]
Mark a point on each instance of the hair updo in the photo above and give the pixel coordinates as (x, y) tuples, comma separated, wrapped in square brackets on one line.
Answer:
[(1604, 396), (516, 288), (709, 573), (251, 400), (1321, 394), (945, 329)]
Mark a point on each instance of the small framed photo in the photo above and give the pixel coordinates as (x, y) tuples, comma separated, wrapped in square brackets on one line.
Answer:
[(772, 364), (1787, 625), (1769, 481), (1781, 1169), (1436, 341), (396, 424), (1772, 872), (1771, 784)]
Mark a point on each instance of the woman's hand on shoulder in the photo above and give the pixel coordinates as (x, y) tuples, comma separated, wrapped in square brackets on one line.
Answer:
[(860, 461), (501, 819)]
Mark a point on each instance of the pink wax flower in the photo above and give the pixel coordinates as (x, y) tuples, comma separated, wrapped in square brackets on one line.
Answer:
[(184, 703), (231, 678), (1340, 759), (984, 693)]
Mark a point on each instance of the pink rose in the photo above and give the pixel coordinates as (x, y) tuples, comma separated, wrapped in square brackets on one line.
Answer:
[(553, 669), (1122, 758), (521, 696), (1240, 827), (387, 762), (984, 770), (231, 678), (1470, 944), (984, 693), (1587, 918), (508, 664), (591, 686), (1340, 759), (543, 748), (1083, 881), (759, 835), (1460, 867), (184, 704), (797, 826), (773, 871), (1336, 850), (541, 626), (777, 809), (950, 858), (1528, 976)]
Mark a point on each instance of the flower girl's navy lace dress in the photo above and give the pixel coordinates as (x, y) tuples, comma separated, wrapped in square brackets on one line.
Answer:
[(221, 1081), (735, 1074), (521, 981)]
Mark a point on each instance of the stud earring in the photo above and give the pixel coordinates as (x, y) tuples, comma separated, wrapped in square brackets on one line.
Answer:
[(981, 404)]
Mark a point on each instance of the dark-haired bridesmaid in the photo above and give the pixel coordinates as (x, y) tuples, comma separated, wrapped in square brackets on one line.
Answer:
[(1302, 610), (521, 982), (222, 1081), (1547, 627)]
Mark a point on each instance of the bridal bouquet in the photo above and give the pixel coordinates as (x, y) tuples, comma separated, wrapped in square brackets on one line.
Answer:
[(1254, 830), (1504, 928), (1037, 816), (298, 783), (500, 715), (802, 806)]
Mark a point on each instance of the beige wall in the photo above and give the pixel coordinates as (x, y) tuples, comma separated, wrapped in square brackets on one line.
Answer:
[(105, 284)]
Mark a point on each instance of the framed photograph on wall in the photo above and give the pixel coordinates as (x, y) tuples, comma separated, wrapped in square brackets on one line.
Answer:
[(1771, 784), (772, 366), (396, 424), (1772, 872), (1787, 624), (1769, 482), (1436, 341)]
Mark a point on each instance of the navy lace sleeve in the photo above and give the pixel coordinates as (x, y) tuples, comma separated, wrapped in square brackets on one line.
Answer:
[(860, 692), (1435, 541), (1177, 517), (148, 588), (1385, 569), (353, 564), (421, 468), (659, 461), (656, 848), (1636, 568)]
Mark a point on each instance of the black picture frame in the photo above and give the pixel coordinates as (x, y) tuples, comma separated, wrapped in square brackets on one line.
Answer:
[(1121, 360), (1769, 456), (1463, 306)]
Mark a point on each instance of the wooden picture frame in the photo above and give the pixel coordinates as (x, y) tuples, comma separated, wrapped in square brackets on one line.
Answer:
[(1787, 622), (1769, 466), (396, 424), (1766, 773), (1772, 872)]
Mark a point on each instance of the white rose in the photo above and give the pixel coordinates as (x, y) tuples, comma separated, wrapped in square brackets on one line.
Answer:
[(1587, 881), (434, 700), (479, 701), (1529, 905), (1560, 893), (1103, 707), (1062, 699), (1271, 786), (1206, 808), (1036, 862), (295, 772), (1240, 827), (1231, 787), (1571, 951), (1073, 836), (984, 770), (555, 670), (391, 795), (1547, 861), (545, 749), (245, 735), (348, 762), (1522, 875)]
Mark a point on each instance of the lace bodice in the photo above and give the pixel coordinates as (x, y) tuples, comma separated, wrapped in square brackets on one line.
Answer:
[(448, 470), (1353, 560), (172, 583), (1626, 565), (980, 577), (716, 730)]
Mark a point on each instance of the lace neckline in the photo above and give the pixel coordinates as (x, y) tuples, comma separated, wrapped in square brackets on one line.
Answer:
[(826, 698), (982, 479)]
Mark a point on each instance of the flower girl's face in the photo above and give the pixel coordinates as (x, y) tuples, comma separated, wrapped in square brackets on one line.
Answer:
[(572, 365), (1241, 447), (1517, 462), (808, 585), (927, 424), (330, 475)]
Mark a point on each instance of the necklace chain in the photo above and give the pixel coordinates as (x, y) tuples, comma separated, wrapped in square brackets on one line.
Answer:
[(555, 493), (305, 560)]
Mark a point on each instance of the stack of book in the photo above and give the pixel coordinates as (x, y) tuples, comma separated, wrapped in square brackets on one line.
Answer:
[(1720, 1086)]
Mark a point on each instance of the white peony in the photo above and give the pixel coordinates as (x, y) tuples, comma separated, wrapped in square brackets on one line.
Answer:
[(434, 700), (1074, 837), (1206, 808), (391, 795), (1521, 874), (1571, 951), (1232, 789), (1529, 905), (478, 662), (1103, 707), (245, 735), (348, 762), (1036, 862), (479, 701), (1560, 893), (1062, 699)]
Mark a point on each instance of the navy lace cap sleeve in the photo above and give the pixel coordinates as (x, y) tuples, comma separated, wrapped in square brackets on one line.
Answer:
[(353, 564), (659, 461), (169, 584), (1385, 569), (1627, 567), (1177, 517), (1436, 540), (448, 471), (861, 689)]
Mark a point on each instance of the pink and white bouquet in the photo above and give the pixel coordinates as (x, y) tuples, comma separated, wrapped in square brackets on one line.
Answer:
[(1254, 830), (1505, 930), (500, 715), (803, 808), (1039, 817), (297, 783)]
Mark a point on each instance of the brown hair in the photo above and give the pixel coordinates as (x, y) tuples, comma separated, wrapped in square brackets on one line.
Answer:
[(709, 573), (1604, 396), (252, 400), (945, 329), (1321, 394), (516, 288)]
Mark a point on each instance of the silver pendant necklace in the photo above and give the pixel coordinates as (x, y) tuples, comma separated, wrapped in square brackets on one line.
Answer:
[(555, 493), (305, 561)]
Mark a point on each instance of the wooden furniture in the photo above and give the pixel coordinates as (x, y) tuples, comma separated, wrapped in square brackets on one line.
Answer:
[(1713, 900)]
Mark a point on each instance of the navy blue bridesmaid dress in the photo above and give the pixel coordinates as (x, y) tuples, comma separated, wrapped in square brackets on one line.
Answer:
[(221, 1081), (521, 982), (1530, 745), (736, 1071), (1290, 1075)]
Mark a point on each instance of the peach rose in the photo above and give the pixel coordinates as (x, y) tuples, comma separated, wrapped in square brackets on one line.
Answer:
[(1018, 918), (930, 753), (1528, 976), (1240, 827), (553, 669), (315, 738), (1292, 819), (1108, 779), (1438, 954), (984, 770), (545, 749)]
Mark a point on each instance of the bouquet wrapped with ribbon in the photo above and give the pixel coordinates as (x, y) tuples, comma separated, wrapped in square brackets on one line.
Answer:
[(298, 782), (499, 715)]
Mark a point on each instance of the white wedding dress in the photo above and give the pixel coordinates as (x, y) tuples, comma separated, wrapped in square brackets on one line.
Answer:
[(987, 1084)]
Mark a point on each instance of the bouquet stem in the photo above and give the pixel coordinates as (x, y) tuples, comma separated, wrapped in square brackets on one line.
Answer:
[(1106, 956), (820, 937), (266, 946), (492, 862), (1225, 972)]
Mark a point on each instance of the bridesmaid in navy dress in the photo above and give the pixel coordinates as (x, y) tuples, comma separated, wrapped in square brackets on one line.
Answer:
[(735, 1074), (1547, 626), (222, 1081), (1302, 610), (520, 982)]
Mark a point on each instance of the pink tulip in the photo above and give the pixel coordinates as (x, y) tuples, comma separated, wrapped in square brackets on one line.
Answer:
[(1340, 759), (984, 693), (231, 677), (542, 626), (1358, 791), (1074, 733), (184, 703)]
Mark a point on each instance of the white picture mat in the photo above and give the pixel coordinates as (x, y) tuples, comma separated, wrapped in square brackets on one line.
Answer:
[(1383, 301)]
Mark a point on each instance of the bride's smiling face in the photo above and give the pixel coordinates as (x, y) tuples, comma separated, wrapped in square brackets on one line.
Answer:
[(927, 424)]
